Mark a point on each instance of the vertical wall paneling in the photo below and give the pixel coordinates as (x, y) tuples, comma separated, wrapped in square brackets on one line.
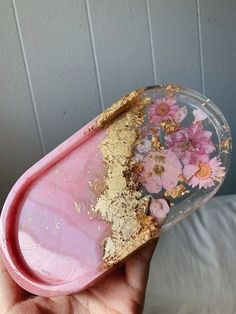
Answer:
[(19, 139), (218, 24), (176, 41), (91, 32), (62, 61), (122, 46), (57, 45), (150, 31), (200, 47)]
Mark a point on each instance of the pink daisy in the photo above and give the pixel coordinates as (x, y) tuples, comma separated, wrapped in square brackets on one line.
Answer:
[(191, 144), (164, 109), (159, 209), (205, 173), (160, 169)]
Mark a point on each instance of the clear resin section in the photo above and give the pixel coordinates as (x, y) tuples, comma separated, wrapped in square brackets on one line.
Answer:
[(166, 152), (183, 152)]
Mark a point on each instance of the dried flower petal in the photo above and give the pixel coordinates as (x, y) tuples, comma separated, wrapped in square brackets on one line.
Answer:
[(160, 169), (205, 174), (199, 115), (159, 209)]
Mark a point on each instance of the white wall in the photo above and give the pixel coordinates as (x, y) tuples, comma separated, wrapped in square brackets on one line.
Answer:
[(62, 61)]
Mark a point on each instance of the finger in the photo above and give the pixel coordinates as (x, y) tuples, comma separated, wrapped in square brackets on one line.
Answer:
[(137, 268), (10, 292)]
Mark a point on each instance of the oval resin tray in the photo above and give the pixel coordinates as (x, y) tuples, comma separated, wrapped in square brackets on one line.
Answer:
[(130, 174)]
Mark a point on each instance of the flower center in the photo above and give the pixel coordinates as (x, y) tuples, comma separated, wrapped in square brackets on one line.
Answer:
[(186, 145), (204, 171), (162, 109), (158, 170)]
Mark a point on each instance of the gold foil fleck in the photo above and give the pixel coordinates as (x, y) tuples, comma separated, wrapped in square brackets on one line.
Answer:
[(171, 89), (137, 167), (77, 207), (156, 143), (176, 191), (182, 178), (119, 107), (170, 126), (121, 204), (226, 145), (98, 184)]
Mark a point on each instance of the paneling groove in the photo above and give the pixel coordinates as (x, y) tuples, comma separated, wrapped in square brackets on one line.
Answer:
[(150, 31), (91, 32), (200, 47), (33, 101)]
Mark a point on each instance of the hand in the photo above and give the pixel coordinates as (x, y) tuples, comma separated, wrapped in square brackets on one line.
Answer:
[(123, 291)]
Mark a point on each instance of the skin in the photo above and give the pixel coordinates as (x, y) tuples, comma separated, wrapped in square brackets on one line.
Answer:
[(122, 291)]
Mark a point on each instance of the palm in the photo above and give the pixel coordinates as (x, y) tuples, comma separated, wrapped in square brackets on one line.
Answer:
[(122, 291)]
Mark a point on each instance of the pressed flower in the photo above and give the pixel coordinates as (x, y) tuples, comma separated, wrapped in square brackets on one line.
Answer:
[(160, 169), (144, 146), (204, 174), (159, 209), (181, 114), (191, 144), (142, 149), (199, 115), (164, 109)]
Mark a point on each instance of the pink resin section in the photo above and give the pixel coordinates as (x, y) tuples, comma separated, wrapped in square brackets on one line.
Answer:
[(57, 237), (59, 240)]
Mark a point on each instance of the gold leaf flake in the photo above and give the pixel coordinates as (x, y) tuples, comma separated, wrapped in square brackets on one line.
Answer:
[(156, 143), (120, 203), (171, 89), (226, 145), (119, 107), (170, 126), (177, 191)]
